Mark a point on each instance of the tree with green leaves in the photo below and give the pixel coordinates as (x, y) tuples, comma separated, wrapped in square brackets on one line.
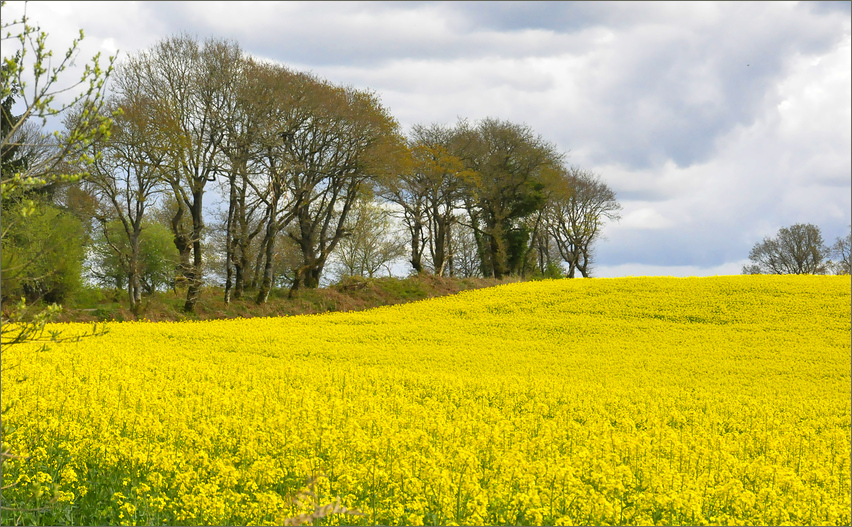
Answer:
[(156, 259), (512, 166), (29, 87), (33, 83), (44, 252)]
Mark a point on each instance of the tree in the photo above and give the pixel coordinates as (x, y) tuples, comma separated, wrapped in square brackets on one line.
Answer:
[(34, 83), (512, 165), (795, 250), (192, 83), (35, 89), (840, 251), (579, 206), (44, 250), (465, 260), (156, 261), (342, 139), (128, 174), (427, 193), (281, 97), (443, 178), (30, 160), (247, 118)]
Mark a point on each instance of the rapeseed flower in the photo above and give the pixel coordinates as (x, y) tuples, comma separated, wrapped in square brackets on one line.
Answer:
[(632, 401)]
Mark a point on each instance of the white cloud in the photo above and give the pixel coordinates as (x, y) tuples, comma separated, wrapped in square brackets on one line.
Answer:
[(644, 219)]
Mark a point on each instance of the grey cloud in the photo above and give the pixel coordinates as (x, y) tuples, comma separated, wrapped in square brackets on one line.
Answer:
[(827, 7), (514, 16), (648, 102)]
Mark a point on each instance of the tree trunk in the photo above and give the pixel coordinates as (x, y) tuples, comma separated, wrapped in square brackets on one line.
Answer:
[(416, 248), (269, 251), (133, 288), (196, 279), (229, 239), (182, 244), (239, 277), (440, 243), (497, 248), (258, 265), (530, 245)]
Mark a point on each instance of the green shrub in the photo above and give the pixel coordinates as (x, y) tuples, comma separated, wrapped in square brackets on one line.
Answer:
[(42, 252)]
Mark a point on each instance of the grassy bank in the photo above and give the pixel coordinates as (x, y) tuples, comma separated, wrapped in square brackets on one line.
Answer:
[(352, 294)]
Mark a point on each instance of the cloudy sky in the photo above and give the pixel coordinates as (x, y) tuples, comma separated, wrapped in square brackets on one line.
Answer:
[(715, 123)]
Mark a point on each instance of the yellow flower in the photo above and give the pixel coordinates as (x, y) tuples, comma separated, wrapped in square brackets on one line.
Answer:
[(662, 400)]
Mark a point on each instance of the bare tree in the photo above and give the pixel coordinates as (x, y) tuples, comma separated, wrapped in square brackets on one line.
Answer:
[(840, 251), (370, 244), (795, 250), (127, 174), (465, 260), (580, 204), (193, 82)]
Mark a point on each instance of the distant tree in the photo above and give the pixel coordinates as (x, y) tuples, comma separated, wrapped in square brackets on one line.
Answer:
[(343, 140), (248, 114), (579, 206), (795, 250), (278, 99), (443, 179), (547, 256), (407, 192), (840, 251), (465, 260), (370, 245), (129, 173), (156, 259)]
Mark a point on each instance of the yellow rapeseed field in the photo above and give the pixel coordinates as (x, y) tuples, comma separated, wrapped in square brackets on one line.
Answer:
[(719, 400)]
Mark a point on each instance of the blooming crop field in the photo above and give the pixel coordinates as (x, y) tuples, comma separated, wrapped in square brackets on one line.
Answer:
[(722, 400)]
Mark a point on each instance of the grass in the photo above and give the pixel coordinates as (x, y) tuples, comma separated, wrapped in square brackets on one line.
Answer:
[(351, 294)]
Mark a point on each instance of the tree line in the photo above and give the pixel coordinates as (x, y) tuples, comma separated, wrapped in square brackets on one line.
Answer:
[(310, 177)]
